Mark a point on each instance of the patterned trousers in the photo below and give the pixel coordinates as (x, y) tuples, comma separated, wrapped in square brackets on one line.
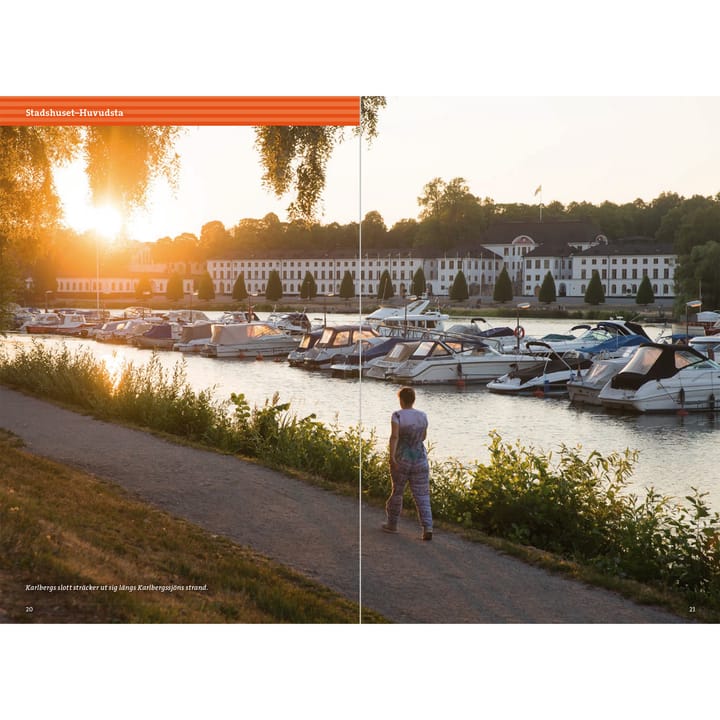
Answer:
[(419, 479)]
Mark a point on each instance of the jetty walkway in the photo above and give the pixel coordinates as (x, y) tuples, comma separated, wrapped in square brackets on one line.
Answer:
[(325, 536)]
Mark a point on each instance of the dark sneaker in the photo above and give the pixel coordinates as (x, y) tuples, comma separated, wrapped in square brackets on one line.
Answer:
[(389, 527), (427, 534)]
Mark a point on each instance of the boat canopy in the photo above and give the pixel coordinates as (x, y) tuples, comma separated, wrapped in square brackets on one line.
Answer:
[(242, 332), (655, 361)]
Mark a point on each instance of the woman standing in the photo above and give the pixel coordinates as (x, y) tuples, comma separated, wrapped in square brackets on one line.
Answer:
[(409, 464)]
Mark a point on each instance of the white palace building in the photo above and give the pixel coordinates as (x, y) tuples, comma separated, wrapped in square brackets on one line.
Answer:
[(570, 251)]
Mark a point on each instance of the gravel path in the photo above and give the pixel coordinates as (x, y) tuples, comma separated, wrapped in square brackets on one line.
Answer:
[(316, 532)]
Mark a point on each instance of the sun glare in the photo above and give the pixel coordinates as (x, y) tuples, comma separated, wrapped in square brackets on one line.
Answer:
[(78, 211)]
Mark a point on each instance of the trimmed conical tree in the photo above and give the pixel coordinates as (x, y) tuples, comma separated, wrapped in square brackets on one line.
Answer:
[(459, 289), (385, 288), (273, 291), (239, 291), (308, 289), (143, 288), (645, 294), (347, 286), (206, 289), (503, 291), (419, 283), (594, 295), (175, 289), (547, 293)]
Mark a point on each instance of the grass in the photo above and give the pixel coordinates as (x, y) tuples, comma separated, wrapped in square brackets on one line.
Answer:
[(110, 558)]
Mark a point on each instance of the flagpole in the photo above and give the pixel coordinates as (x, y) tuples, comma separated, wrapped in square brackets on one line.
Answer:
[(539, 192)]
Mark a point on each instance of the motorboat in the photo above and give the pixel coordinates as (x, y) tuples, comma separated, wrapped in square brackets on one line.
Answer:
[(584, 388), (159, 337), (384, 367), (193, 338), (53, 323), (294, 323), (106, 331), (704, 323), (708, 345), (131, 328), (308, 340), (364, 357), (548, 376), (664, 378), (413, 320), (605, 331), (504, 338), (338, 341), (438, 362), (187, 316), (252, 339)]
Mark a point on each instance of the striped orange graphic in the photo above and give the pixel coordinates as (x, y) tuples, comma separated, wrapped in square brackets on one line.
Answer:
[(178, 110)]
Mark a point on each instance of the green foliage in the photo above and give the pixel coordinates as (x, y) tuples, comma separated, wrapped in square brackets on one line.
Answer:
[(419, 284), (459, 288), (308, 289), (175, 290), (239, 291), (347, 286), (273, 291), (295, 157), (503, 291), (645, 294), (385, 287), (698, 274), (548, 293), (580, 508), (594, 294), (206, 288)]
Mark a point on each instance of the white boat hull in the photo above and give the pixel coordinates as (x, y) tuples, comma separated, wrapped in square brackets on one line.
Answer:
[(689, 394)]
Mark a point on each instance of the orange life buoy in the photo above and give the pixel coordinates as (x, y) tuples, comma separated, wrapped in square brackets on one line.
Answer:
[(519, 332)]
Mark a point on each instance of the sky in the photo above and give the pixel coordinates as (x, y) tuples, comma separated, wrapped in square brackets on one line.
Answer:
[(576, 148)]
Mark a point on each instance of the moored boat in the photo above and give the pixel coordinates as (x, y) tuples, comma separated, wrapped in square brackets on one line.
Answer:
[(251, 340), (664, 378), (548, 376), (445, 362)]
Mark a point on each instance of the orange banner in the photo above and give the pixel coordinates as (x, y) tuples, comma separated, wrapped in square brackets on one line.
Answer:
[(218, 110)]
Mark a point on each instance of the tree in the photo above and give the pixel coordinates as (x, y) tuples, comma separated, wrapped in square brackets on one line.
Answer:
[(175, 290), (645, 294), (385, 288), (273, 291), (594, 295), (206, 289), (296, 156), (503, 291), (419, 284), (548, 293), (347, 286), (459, 289), (239, 291), (698, 276), (308, 289), (143, 288)]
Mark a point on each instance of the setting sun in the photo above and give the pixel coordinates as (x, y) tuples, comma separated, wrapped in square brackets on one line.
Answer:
[(78, 211)]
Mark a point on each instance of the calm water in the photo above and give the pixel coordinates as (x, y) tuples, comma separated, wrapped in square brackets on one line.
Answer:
[(676, 453)]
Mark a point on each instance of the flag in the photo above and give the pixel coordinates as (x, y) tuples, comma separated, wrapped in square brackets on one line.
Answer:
[(539, 189)]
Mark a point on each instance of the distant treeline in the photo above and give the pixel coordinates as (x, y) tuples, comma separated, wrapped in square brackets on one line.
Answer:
[(450, 219)]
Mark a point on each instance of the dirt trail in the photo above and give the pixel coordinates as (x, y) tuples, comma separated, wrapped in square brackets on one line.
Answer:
[(324, 536)]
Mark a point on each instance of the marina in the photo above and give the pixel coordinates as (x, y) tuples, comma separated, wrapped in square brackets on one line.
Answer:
[(675, 450)]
